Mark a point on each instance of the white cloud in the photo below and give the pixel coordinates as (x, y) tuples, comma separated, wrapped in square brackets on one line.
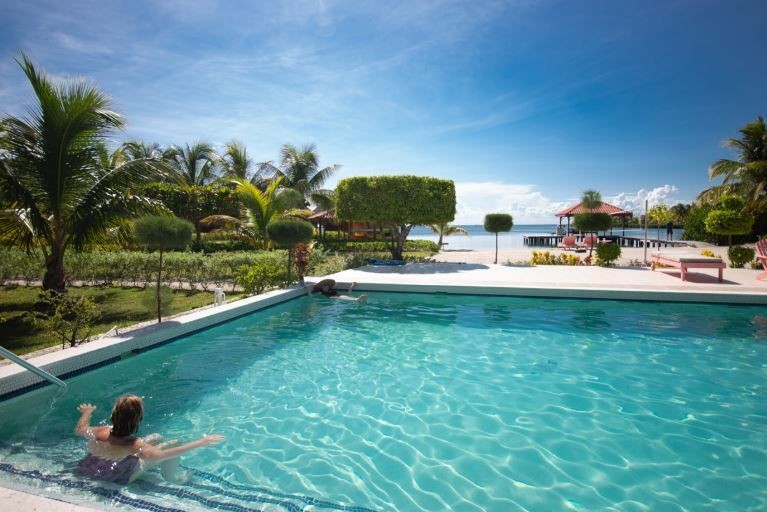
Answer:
[(634, 201), (526, 204), (75, 44)]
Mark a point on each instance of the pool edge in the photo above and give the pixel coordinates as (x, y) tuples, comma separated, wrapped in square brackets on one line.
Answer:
[(16, 381)]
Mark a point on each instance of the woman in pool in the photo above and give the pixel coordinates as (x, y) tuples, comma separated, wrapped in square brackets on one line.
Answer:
[(325, 287), (116, 455)]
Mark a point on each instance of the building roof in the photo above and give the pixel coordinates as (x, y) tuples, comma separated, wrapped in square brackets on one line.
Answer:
[(602, 208), (321, 215)]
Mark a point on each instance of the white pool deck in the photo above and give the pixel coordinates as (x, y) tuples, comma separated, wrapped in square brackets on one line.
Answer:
[(739, 286)]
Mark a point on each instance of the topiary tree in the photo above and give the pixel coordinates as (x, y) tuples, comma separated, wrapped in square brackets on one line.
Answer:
[(161, 233), (397, 201), (288, 233), (728, 218), (498, 223), (591, 223)]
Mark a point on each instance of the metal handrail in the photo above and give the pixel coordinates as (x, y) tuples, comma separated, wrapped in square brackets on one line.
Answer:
[(32, 368)]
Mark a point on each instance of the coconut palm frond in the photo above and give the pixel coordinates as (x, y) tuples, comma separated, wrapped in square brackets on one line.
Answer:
[(235, 161), (591, 199), (194, 164)]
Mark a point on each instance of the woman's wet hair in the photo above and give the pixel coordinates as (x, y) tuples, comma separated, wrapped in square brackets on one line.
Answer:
[(127, 414)]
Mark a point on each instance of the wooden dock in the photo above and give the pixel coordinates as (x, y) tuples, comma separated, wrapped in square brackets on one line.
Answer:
[(623, 241)]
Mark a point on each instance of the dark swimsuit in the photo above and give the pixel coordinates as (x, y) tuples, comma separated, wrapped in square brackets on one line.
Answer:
[(329, 293), (107, 470)]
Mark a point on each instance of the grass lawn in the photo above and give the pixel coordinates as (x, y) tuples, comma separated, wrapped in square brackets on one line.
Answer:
[(118, 306)]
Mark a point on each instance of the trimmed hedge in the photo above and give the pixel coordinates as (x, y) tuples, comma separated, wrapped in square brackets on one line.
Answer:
[(375, 245), (138, 268)]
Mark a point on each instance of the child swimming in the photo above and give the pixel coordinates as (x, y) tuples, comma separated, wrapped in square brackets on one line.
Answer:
[(116, 455)]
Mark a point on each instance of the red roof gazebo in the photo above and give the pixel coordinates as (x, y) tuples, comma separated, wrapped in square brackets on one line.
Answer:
[(602, 208)]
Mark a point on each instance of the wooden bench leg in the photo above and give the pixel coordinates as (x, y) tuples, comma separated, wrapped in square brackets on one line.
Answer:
[(684, 272), (721, 272)]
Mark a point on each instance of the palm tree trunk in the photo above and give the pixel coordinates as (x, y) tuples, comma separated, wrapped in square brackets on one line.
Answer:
[(54, 270), (495, 262), (439, 243)]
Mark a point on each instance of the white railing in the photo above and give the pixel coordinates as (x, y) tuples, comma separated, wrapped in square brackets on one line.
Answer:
[(32, 368)]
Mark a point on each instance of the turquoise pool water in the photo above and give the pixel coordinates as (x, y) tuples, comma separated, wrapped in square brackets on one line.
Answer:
[(418, 402)]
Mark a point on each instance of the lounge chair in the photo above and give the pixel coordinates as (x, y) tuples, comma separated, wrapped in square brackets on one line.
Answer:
[(567, 243), (589, 242), (761, 255), (687, 261)]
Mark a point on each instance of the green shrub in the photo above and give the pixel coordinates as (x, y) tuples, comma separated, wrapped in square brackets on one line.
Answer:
[(729, 218), (740, 255), (569, 259), (695, 224), (260, 276), (547, 258), (69, 317), (607, 254)]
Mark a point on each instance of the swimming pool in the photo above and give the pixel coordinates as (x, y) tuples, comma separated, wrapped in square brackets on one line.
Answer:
[(434, 402)]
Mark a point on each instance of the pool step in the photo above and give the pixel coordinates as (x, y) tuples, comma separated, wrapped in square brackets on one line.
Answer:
[(203, 490)]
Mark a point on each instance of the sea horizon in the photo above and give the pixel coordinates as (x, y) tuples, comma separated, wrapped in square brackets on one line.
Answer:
[(478, 238)]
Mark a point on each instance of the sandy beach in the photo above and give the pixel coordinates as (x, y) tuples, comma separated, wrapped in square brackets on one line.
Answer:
[(523, 254)]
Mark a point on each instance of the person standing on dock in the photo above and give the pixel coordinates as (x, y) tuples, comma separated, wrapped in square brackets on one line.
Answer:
[(669, 230)]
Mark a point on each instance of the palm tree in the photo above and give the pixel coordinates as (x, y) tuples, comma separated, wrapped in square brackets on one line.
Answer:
[(444, 229), (267, 205), (193, 165), (591, 199), (746, 176), (63, 188), (235, 161), (300, 170), (591, 221), (135, 150)]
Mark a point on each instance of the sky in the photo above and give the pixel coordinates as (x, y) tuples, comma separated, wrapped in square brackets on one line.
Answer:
[(524, 104)]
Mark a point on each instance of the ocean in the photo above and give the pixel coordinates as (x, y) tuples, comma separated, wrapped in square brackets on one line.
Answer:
[(480, 239)]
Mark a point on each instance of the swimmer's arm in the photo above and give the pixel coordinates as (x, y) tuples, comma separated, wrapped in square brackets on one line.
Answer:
[(155, 454), (84, 423)]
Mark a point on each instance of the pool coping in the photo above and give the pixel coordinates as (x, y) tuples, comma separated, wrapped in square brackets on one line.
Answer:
[(16, 381), (561, 291)]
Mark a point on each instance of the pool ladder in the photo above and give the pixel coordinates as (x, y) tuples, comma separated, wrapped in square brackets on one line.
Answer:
[(32, 368)]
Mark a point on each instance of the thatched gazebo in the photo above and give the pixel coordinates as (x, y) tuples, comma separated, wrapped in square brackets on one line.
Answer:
[(602, 208)]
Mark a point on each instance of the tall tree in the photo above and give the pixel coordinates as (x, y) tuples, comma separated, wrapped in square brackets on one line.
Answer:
[(592, 222), (300, 170), (193, 164), (235, 162), (444, 229), (746, 176), (53, 172), (264, 206)]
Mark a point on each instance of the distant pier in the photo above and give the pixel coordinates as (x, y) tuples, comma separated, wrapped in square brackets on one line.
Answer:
[(623, 241)]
